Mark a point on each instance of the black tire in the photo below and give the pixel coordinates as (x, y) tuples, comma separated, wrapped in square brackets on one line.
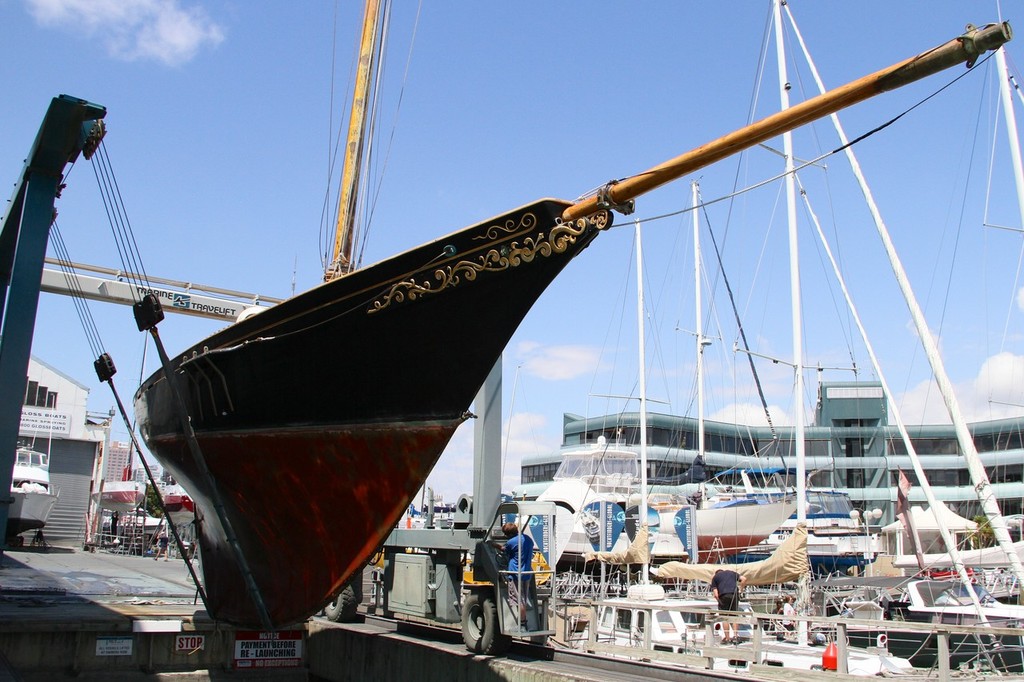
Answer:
[(480, 629), (344, 608)]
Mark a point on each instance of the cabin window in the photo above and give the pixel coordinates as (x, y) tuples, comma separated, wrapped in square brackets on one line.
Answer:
[(535, 473), (664, 619), (623, 619)]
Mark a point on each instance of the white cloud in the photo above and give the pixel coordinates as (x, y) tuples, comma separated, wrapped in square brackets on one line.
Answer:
[(557, 363), (751, 414), (160, 30), (453, 473), (996, 392), (1020, 298), (523, 436)]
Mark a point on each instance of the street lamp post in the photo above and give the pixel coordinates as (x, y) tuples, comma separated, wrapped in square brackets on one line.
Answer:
[(866, 517)]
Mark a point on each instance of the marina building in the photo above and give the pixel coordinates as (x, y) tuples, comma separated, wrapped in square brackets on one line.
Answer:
[(851, 446), (54, 420)]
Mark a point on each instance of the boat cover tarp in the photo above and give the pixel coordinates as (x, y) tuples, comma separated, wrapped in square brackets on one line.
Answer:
[(638, 552), (786, 564)]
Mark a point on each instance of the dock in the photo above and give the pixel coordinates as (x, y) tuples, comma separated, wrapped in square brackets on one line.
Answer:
[(90, 616)]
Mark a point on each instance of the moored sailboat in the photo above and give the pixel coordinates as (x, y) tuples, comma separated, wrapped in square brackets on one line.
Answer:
[(416, 334), (601, 485)]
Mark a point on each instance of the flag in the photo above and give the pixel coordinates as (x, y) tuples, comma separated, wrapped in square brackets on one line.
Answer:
[(904, 514)]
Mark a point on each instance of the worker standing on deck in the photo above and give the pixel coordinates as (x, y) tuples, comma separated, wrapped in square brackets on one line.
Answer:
[(518, 550), (726, 586)]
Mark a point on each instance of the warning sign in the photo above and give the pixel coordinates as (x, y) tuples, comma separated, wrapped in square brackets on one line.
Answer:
[(189, 643), (114, 646), (281, 649)]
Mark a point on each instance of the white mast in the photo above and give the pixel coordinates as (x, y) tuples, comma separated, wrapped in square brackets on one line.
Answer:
[(1011, 128), (642, 521), (701, 343), (794, 281), (933, 503), (982, 486), (795, 302)]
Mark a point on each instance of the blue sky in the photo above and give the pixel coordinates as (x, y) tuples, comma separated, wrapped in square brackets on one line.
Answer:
[(222, 116)]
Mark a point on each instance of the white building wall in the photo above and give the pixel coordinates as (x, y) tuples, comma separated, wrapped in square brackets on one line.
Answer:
[(66, 418), (54, 419)]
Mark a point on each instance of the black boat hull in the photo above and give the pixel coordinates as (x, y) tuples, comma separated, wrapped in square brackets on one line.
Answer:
[(320, 418)]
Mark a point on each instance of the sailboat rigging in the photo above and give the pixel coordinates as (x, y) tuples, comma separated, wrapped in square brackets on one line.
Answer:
[(342, 261), (352, 440)]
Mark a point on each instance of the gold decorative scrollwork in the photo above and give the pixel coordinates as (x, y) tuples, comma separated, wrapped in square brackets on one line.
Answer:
[(526, 222), (496, 259)]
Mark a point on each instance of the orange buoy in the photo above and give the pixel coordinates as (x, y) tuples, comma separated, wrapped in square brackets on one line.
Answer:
[(830, 659)]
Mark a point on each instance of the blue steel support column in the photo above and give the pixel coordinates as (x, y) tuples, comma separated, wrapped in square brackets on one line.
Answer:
[(70, 125)]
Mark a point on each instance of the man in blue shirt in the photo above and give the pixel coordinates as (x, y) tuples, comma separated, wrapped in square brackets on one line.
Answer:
[(726, 586), (518, 550)]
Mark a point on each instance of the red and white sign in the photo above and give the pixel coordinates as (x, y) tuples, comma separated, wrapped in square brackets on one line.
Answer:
[(186, 643), (255, 649)]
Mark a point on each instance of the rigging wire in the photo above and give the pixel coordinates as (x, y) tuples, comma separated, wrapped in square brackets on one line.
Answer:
[(120, 225), (367, 196), (815, 160), (81, 304), (131, 262), (743, 334), (325, 236), (370, 204)]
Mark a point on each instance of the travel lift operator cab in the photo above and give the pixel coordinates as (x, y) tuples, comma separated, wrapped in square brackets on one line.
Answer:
[(491, 615)]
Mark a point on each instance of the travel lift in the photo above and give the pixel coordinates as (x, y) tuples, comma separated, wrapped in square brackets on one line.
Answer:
[(70, 127), (458, 574)]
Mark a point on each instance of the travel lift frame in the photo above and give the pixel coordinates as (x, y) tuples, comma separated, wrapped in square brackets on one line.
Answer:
[(70, 127), (456, 575)]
